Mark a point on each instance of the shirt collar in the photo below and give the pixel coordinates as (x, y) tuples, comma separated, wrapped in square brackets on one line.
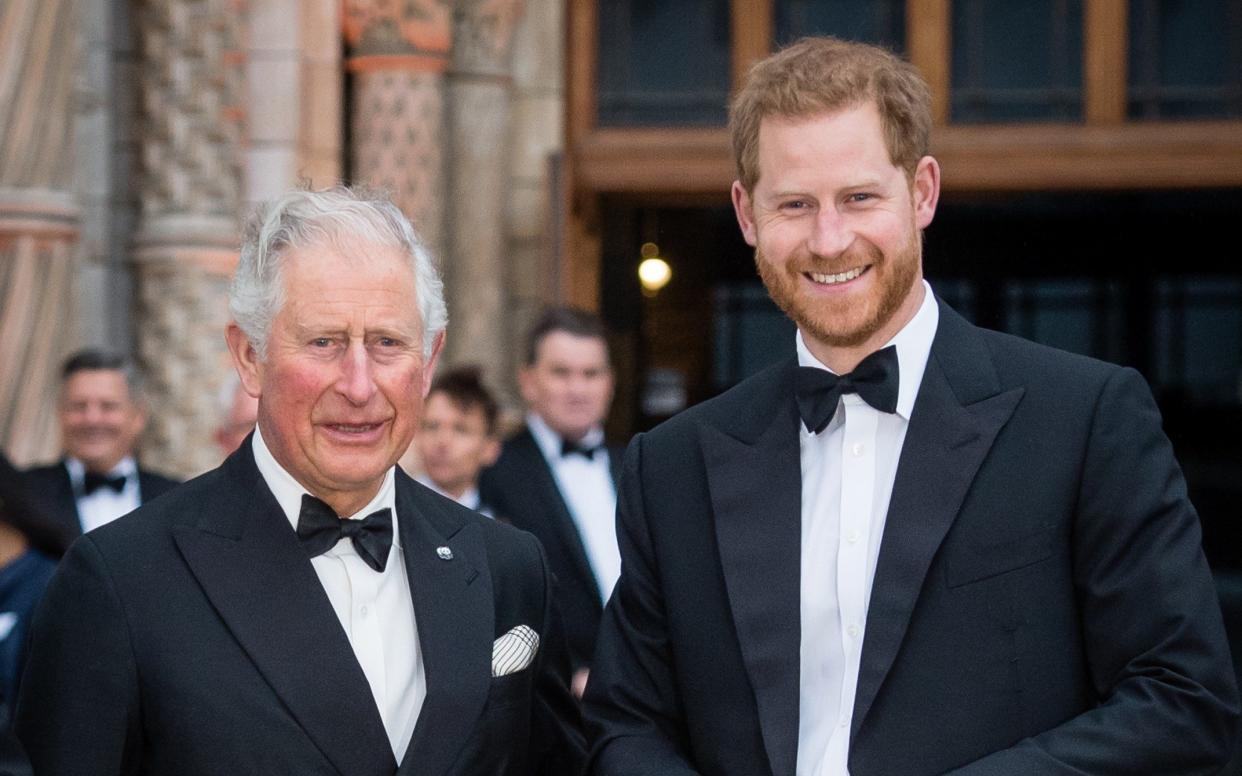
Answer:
[(913, 343), (288, 491), (126, 468), (469, 498), (550, 442)]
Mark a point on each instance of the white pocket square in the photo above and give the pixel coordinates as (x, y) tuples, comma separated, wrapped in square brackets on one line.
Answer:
[(514, 651)]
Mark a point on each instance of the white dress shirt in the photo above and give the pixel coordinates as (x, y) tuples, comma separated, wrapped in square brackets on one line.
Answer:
[(587, 487), (374, 608), (848, 471), (105, 504), (469, 498)]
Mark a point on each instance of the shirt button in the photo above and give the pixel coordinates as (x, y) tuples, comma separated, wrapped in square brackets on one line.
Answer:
[(853, 631), (364, 611), (858, 449), (852, 537), (843, 724)]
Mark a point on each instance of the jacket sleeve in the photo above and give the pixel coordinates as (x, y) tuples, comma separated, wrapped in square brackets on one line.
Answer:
[(557, 744), (78, 711), (1153, 638), (631, 709)]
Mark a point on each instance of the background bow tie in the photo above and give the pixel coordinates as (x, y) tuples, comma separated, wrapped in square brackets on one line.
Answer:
[(93, 482), (874, 379), (569, 448), (319, 529)]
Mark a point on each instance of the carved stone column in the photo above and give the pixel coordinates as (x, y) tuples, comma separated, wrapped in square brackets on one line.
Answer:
[(38, 218), (479, 113), (188, 226), (397, 52)]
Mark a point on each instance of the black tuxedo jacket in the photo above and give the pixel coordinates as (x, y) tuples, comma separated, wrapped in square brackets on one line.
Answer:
[(194, 637), (521, 486), (1041, 604), (52, 489)]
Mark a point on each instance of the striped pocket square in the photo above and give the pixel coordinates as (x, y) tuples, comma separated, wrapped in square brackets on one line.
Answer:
[(514, 651)]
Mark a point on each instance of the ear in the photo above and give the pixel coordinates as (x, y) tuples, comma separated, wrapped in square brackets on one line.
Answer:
[(526, 383), (245, 359), (926, 191), (744, 209), (429, 371), (141, 416), (491, 451)]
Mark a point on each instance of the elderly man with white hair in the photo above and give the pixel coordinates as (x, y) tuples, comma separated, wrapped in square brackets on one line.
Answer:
[(308, 608)]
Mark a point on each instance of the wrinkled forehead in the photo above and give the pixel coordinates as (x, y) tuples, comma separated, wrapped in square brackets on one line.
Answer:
[(566, 348), (361, 282), (96, 384)]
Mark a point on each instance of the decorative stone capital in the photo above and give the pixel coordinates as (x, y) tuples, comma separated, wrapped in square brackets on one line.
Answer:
[(40, 213), (398, 34), (483, 36)]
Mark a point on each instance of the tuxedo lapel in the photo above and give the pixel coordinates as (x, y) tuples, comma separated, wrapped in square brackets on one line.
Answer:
[(540, 472), (957, 415), (755, 478), (260, 581), (65, 501), (452, 593)]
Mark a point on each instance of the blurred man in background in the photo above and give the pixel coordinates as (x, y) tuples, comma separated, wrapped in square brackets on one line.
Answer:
[(556, 478), (457, 437), (238, 412), (102, 415)]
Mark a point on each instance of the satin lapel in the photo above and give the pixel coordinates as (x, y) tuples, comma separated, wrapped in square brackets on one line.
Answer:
[(65, 508), (754, 475), (616, 455), (541, 473), (453, 607), (260, 581), (957, 415)]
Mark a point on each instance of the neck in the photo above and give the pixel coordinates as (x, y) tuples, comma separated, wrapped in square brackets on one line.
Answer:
[(12, 544), (349, 503), (453, 491), (100, 467)]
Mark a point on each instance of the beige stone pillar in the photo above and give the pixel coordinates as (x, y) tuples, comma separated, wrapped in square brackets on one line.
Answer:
[(397, 52), (187, 238), (38, 217), (537, 135), (479, 86)]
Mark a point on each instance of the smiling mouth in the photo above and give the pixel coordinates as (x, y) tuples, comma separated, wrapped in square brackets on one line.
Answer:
[(840, 277), (354, 428)]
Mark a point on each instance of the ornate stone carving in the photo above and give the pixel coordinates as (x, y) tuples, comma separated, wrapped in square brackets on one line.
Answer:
[(187, 238), (398, 52), (191, 96), (398, 144), (398, 27), (483, 36)]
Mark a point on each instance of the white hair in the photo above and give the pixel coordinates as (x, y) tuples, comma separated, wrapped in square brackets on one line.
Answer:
[(335, 216)]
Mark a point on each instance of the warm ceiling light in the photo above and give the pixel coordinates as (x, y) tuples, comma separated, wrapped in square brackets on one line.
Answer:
[(654, 273)]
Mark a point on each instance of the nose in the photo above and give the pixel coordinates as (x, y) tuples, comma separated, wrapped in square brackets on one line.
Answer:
[(830, 234), (356, 383)]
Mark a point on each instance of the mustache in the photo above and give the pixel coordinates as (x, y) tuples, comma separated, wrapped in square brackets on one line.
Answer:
[(857, 255)]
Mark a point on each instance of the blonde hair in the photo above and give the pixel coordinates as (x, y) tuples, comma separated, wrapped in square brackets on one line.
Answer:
[(815, 76)]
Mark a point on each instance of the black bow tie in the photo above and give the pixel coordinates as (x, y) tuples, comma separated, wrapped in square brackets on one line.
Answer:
[(569, 448), (874, 379), (93, 482), (319, 529)]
